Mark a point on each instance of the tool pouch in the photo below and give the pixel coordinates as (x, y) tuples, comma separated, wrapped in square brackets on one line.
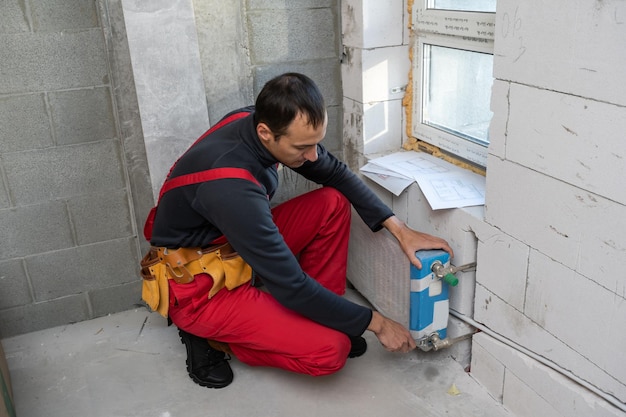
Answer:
[(222, 263), (234, 270), (154, 290)]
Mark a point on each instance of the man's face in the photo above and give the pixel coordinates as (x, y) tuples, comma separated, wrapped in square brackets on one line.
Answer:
[(297, 145)]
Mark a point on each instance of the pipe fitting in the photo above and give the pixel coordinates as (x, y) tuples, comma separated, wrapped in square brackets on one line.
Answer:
[(439, 343)]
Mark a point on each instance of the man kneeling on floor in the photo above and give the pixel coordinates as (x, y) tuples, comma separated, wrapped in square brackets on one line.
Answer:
[(216, 239)]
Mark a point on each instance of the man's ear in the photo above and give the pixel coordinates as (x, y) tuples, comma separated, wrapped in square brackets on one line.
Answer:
[(264, 133)]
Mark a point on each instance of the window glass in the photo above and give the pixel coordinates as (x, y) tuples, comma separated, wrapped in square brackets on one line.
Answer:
[(464, 5), (457, 92)]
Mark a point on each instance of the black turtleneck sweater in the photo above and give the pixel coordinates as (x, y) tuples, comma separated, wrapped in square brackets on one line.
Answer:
[(196, 215)]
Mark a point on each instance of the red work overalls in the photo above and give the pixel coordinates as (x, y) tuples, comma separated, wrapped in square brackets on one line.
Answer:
[(259, 330)]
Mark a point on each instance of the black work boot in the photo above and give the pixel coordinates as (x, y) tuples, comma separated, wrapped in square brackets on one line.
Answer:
[(359, 346), (206, 366)]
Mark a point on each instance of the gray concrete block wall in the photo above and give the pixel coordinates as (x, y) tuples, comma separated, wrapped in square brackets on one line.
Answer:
[(242, 46), (75, 184), (69, 247), (301, 37), (245, 44)]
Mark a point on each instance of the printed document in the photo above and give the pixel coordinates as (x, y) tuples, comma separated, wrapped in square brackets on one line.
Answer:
[(444, 185)]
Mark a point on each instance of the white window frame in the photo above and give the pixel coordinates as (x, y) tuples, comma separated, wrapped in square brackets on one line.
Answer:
[(471, 31)]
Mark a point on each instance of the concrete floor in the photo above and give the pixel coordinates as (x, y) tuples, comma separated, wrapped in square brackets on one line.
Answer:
[(132, 364)]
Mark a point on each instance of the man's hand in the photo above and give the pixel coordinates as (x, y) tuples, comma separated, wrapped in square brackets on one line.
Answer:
[(411, 240), (392, 335)]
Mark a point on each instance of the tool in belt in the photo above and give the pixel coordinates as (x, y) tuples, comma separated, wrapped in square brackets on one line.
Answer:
[(220, 262), (182, 264)]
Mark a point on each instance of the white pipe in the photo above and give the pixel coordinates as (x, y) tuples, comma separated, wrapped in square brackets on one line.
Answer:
[(609, 398)]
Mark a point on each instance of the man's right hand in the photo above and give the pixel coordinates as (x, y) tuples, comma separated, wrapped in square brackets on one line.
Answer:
[(392, 335)]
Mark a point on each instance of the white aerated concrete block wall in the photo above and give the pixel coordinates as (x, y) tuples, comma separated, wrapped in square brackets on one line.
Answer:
[(374, 74), (528, 388), (552, 253), (551, 242)]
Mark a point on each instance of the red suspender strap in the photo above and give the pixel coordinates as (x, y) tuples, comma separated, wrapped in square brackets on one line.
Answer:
[(208, 175), (227, 120), (222, 123), (202, 176)]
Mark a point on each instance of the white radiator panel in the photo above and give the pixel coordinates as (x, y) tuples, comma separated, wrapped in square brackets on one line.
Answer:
[(379, 270)]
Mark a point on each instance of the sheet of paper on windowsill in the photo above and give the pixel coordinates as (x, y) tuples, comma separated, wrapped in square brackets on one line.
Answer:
[(444, 185), (391, 180)]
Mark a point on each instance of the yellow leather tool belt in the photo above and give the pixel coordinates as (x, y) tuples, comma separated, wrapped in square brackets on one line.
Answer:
[(221, 262)]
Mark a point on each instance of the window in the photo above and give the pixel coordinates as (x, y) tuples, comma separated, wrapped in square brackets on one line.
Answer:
[(453, 75)]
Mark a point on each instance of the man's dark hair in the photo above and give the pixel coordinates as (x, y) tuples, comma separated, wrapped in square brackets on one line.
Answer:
[(286, 95)]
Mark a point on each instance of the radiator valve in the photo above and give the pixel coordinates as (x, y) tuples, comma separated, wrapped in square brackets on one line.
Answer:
[(447, 272)]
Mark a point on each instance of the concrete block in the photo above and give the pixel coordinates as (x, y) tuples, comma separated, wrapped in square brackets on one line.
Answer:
[(62, 172), (486, 369), (523, 401), (454, 225), (537, 210), (584, 50), (372, 24), (571, 138), (498, 127), (407, 26), (502, 266), (84, 268), (381, 192), (382, 126), (333, 141), (13, 17), (412, 207), (292, 35), (462, 296), (128, 115), (163, 46), (420, 216), (4, 195), (224, 58), (324, 72), (372, 75), (52, 61), (385, 73), (61, 15), (562, 221), (353, 133), (461, 350), (38, 316), (80, 116), (587, 308), (352, 74), (602, 242), (34, 229), (540, 385), (515, 326), (101, 217), (117, 298), (14, 288), (352, 24), (24, 123)]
